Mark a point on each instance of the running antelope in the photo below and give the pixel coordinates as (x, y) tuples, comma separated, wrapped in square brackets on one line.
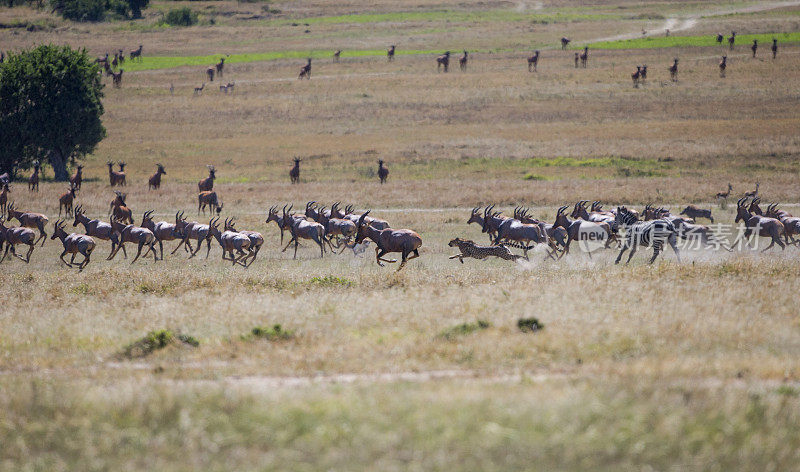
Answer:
[(582, 231), (256, 241), (558, 235), (390, 53), (155, 180), (673, 70), (564, 43), (752, 194), (220, 66), (65, 201), (732, 40), (383, 172), (208, 199), (116, 78), (475, 217), (29, 220), (207, 184), (272, 215), (294, 173), (585, 57), (17, 235), (137, 53), (200, 233), (231, 241), (791, 224), (462, 61), (115, 178), (336, 55), (693, 212), (700, 233), (199, 90), (443, 61), (754, 47), (305, 71), (73, 244), (97, 229), (774, 48), (77, 179), (513, 230), (334, 227), (4, 198), (388, 240), (761, 225), (163, 231), (376, 223), (723, 64), (645, 233), (533, 61), (137, 235), (33, 180), (119, 210), (300, 228), (210, 73)]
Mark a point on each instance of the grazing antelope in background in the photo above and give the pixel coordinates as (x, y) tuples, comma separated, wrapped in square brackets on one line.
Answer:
[(119, 210), (693, 212), (207, 184), (208, 199), (383, 172), (577, 59), (443, 60), (791, 224), (162, 230), (754, 47), (256, 241), (404, 241), (97, 229), (723, 64), (761, 225), (299, 228), (724, 195), (336, 55), (462, 61), (533, 61), (121, 57), (230, 241), (210, 73), (305, 71), (77, 179), (33, 180), (585, 57), (390, 53), (73, 244), (155, 180), (564, 43), (294, 173), (635, 76), (645, 233), (17, 235), (673, 70), (754, 193), (116, 78), (199, 90), (220, 66), (115, 61), (65, 201), (774, 47), (137, 53), (720, 38), (643, 74), (4, 198), (29, 220), (115, 178), (137, 235), (732, 40), (101, 59)]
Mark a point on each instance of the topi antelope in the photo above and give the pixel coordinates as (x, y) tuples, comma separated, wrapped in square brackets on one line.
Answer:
[(305, 71), (724, 195), (121, 57), (102, 59), (199, 90), (754, 47), (723, 64), (533, 61), (701, 233), (29, 220), (443, 61), (207, 184), (564, 43), (17, 235), (208, 199), (119, 210), (115, 178), (338, 227), (582, 231), (155, 180), (272, 215), (720, 38), (97, 229), (200, 233), (774, 48), (4, 189), (585, 57), (475, 217), (294, 173), (388, 240), (376, 223), (162, 230), (513, 230), (754, 193), (577, 59), (462, 61), (636, 76), (645, 233), (33, 180), (791, 224), (116, 78), (758, 225), (558, 235), (65, 201), (210, 73), (220, 66), (137, 235), (137, 53), (643, 74), (732, 40), (383, 172), (390, 53), (115, 61), (77, 179), (693, 212), (230, 241), (73, 244), (299, 228), (336, 55), (256, 241), (673, 70)]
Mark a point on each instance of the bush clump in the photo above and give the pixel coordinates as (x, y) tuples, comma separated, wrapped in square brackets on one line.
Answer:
[(529, 325), (464, 329), (181, 17), (155, 340), (270, 333)]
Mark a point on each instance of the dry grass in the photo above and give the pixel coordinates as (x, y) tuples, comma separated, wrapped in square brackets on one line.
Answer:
[(692, 366)]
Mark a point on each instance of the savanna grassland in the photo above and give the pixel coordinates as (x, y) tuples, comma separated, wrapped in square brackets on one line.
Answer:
[(180, 365)]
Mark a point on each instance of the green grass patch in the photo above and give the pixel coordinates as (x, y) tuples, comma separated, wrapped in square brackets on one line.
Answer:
[(694, 41), (464, 329), (270, 333), (154, 341), (449, 16), (330, 281), (529, 325)]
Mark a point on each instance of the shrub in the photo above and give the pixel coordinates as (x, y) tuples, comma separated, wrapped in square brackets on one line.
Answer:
[(463, 329), (273, 333), (529, 325), (181, 17), (155, 340), (80, 10)]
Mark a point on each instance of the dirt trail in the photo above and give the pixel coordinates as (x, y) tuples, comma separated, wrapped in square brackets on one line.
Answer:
[(675, 24)]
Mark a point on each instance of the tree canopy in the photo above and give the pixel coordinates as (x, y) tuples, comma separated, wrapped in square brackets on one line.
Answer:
[(50, 108)]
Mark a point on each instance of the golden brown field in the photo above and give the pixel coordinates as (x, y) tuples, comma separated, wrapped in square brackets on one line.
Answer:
[(692, 366)]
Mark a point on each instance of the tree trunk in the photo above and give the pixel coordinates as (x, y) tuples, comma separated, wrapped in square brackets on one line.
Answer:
[(59, 164)]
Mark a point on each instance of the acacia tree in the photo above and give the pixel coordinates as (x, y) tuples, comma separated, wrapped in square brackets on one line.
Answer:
[(49, 108)]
